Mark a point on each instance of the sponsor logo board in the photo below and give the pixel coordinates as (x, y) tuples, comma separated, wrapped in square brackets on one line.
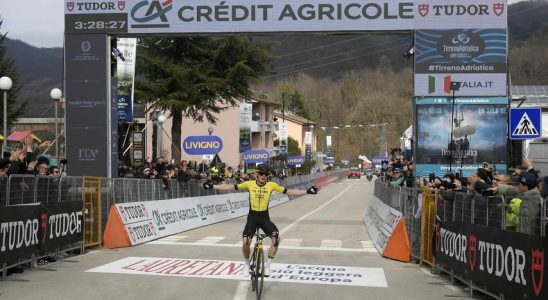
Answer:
[(508, 261), (150, 220), (443, 14), (157, 16)]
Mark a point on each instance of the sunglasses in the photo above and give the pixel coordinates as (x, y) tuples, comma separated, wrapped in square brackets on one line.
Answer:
[(262, 173)]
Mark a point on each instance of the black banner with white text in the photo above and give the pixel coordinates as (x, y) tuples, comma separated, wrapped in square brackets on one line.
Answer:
[(19, 232), (26, 229), (60, 224), (502, 260)]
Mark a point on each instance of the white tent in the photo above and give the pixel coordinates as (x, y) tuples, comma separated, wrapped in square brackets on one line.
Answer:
[(406, 138)]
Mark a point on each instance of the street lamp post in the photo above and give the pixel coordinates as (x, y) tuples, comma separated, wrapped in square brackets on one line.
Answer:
[(161, 120), (5, 85), (455, 86), (56, 95)]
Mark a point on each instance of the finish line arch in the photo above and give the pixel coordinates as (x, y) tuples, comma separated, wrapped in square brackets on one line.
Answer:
[(91, 106)]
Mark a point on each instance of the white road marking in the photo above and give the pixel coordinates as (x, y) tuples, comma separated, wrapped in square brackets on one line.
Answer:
[(211, 240), (368, 249), (428, 272), (447, 285), (331, 244), (291, 242), (367, 244), (241, 290), (174, 237), (283, 231)]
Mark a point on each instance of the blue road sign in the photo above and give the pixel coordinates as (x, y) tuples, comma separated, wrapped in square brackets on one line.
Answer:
[(525, 123)]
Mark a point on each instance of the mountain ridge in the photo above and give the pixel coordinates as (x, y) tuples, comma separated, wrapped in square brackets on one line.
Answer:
[(320, 56)]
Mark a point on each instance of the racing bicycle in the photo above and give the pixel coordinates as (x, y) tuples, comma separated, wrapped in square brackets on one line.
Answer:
[(256, 264)]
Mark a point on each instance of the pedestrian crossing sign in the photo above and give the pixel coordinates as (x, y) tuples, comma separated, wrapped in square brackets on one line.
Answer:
[(525, 123)]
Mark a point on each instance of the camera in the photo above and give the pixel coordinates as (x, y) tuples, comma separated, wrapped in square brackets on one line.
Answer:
[(487, 193), (447, 185)]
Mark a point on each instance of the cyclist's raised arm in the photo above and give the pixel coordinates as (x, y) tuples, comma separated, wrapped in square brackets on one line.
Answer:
[(224, 187), (295, 192), (208, 185)]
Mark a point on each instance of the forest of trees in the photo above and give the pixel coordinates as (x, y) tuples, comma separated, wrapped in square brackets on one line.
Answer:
[(334, 80)]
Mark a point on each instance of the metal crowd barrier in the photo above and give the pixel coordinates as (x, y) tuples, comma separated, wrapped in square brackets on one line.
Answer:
[(96, 196), (471, 207), (408, 201)]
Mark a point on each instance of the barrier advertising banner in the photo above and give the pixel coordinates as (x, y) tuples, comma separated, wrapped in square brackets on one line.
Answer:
[(63, 224), (150, 220), (502, 260), (25, 229), (20, 232), (477, 123), (387, 230)]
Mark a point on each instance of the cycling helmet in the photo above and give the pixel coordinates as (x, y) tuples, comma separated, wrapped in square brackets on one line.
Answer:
[(264, 169)]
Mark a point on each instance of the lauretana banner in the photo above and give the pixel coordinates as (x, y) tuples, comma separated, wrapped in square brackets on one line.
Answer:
[(502, 260)]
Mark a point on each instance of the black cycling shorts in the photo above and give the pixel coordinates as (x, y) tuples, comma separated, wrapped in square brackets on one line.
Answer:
[(259, 219)]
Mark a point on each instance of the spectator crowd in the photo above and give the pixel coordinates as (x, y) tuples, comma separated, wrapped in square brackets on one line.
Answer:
[(523, 188)]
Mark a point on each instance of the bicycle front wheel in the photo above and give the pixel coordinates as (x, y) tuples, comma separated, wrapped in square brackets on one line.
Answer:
[(259, 269)]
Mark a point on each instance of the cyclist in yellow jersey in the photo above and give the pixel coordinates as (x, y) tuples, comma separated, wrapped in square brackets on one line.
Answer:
[(259, 196)]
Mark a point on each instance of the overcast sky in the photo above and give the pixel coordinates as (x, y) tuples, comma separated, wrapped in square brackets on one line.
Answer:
[(40, 22)]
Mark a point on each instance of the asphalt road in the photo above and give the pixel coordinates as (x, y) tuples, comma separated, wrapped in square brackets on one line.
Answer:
[(325, 253)]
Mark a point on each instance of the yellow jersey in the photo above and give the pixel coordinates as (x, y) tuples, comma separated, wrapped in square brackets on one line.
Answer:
[(259, 196)]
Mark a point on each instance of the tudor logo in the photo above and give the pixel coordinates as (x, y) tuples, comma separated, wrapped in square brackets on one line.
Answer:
[(537, 270), (44, 219), (70, 6), (498, 8), (472, 251), (423, 9), (438, 237), (121, 5)]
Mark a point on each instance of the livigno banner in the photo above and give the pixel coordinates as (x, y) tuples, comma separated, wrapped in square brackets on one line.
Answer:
[(477, 124)]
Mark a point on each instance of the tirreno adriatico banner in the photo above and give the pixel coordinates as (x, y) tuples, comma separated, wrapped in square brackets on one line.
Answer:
[(203, 144), (154, 16)]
